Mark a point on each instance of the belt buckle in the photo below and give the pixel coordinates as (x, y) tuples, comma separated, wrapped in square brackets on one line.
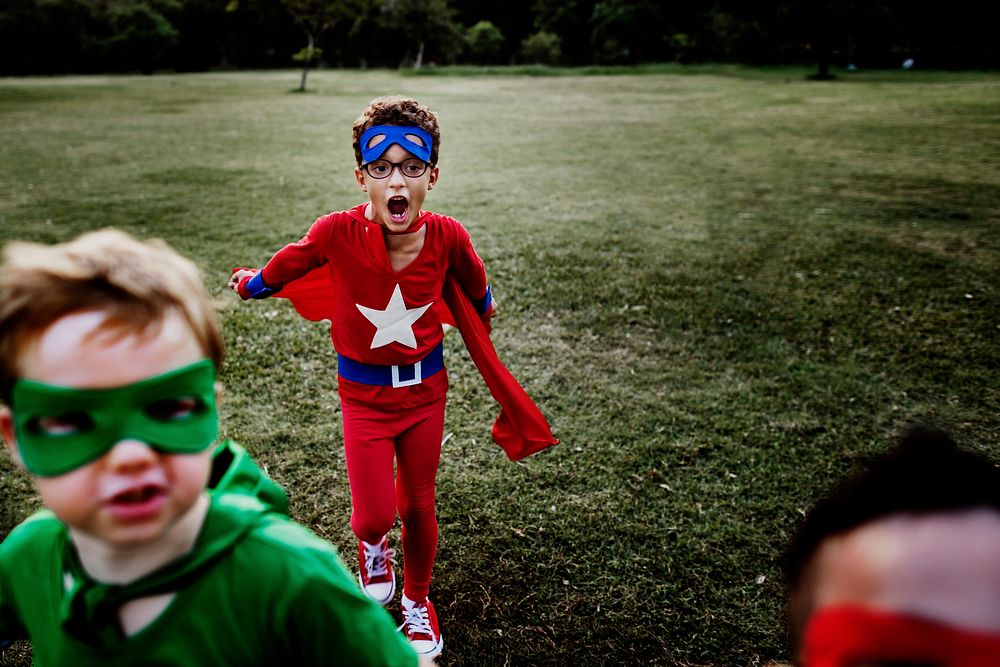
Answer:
[(417, 378)]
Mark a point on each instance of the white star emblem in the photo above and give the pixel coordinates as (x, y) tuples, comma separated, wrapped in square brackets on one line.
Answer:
[(395, 323)]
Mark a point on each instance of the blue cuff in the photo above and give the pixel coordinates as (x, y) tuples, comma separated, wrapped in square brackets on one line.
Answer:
[(482, 305), (256, 287)]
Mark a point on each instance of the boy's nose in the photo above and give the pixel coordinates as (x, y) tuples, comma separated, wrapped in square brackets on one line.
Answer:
[(129, 455), (396, 177)]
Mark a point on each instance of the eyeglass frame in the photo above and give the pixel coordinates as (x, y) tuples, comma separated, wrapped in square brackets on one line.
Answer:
[(396, 165)]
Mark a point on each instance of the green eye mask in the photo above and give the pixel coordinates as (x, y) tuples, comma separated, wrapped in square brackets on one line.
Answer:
[(59, 429)]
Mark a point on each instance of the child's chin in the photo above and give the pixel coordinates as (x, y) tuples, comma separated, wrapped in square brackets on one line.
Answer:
[(132, 536), (400, 226), (400, 221)]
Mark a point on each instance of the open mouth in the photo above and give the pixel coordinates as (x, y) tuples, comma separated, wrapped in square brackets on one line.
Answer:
[(137, 496), (138, 504), (398, 207)]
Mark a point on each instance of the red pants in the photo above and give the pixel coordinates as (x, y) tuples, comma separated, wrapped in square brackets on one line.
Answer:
[(372, 439)]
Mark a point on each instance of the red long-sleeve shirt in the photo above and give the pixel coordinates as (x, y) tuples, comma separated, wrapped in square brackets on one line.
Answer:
[(381, 316)]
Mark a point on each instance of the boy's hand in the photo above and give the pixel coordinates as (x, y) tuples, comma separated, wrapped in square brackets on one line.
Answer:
[(238, 281), (488, 316)]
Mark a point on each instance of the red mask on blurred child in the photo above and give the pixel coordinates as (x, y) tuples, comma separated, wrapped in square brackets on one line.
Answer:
[(847, 636)]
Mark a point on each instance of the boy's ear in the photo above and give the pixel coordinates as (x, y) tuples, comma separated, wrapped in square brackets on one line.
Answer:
[(360, 175), (7, 428), (435, 172)]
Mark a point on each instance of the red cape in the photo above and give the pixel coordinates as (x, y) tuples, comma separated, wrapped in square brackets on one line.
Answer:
[(520, 428)]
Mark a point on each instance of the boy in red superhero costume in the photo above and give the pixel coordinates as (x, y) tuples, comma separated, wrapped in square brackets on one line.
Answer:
[(901, 564), (387, 275)]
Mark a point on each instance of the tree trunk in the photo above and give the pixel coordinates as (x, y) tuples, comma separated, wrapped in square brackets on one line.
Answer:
[(420, 55), (824, 42), (302, 82), (305, 66), (824, 66)]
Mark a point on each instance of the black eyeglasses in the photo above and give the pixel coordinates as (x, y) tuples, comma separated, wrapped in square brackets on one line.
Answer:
[(410, 167)]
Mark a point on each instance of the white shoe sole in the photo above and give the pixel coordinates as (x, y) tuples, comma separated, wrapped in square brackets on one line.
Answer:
[(381, 601), (432, 653)]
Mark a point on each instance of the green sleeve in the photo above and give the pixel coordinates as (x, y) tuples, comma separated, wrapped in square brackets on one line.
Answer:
[(25, 549), (333, 623), (10, 622), (234, 471)]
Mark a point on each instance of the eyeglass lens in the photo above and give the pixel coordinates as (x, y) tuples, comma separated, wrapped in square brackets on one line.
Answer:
[(411, 168)]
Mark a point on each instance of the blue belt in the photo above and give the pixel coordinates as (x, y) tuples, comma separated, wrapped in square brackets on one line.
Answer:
[(392, 376)]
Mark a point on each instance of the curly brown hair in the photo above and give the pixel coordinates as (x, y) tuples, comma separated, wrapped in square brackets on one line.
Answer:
[(396, 110)]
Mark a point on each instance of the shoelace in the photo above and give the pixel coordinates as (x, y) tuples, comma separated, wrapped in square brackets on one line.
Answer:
[(416, 621), (376, 560)]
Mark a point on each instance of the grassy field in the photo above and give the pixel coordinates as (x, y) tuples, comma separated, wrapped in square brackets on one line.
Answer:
[(723, 288)]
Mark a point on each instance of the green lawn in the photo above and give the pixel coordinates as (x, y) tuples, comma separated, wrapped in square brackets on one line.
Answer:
[(723, 288)]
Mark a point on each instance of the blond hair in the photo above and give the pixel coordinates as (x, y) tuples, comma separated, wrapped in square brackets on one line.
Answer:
[(395, 110), (135, 283)]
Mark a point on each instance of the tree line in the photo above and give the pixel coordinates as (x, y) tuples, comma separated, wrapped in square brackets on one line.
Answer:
[(63, 36)]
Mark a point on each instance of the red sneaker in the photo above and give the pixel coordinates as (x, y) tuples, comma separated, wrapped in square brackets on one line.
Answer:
[(375, 574), (420, 625)]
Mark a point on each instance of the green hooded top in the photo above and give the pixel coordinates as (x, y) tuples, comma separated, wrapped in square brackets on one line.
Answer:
[(257, 589)]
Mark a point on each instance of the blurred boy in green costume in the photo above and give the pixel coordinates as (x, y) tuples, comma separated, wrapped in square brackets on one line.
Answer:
[(155, 547)]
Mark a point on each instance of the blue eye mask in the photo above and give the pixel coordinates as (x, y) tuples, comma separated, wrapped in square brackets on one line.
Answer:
[(395, 134)]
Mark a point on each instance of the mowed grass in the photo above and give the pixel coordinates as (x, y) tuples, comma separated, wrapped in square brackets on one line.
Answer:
[(722, 290)]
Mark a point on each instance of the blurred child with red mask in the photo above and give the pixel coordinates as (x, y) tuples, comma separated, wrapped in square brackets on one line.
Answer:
[(901, 564)]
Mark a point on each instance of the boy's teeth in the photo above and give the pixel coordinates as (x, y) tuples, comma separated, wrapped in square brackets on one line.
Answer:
[(397, 207)]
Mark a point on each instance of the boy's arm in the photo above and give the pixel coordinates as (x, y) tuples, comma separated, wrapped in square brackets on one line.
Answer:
[(291, 262), (10, 623), (469, 270), (10, 620), (330, 621)]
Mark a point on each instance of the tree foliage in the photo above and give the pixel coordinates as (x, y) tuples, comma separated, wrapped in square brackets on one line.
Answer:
[(541, 48), (51, 36), (315, 17), (423, 25), (483, 41), (140, 33)]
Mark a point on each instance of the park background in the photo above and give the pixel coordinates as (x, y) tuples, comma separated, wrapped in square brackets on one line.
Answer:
[(61, 36), (725, 284)]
